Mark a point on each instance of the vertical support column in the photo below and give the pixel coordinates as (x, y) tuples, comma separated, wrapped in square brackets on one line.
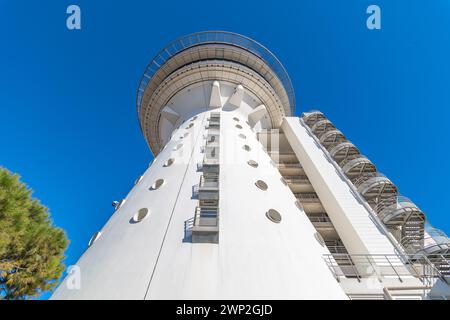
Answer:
[(353, 222)]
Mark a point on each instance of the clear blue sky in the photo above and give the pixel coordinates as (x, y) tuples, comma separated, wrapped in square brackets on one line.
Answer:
[(67, 98)]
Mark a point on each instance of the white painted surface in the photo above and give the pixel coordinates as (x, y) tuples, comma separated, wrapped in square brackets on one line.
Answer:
[(352, 221), (170, 115), (215, 99), (254, 259), (257, 114)]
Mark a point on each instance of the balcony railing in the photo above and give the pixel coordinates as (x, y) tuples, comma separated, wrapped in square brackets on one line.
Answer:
[(289, 165), (212, 37), (206, 217), (436, 242), (307, 197), (346, 160), (358, 181), (205, 228), (213, 124), (296, 179), (361, 266), (209, 181), (337, 250), (319, 218)]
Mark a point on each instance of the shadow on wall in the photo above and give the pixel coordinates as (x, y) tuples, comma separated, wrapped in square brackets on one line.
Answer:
[(188, 224)]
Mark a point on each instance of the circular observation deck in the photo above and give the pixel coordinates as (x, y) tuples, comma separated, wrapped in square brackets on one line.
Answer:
[(205, 57)]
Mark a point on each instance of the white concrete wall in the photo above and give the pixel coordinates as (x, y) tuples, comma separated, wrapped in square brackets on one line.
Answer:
[(352, 221), (120, 263), (254, 259)]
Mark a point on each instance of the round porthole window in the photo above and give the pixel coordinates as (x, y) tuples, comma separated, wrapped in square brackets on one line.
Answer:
[(246, 147), (190, 125), (186, 134), (178, 146), (94, 238), (238, 126), (158, 183), (252, 163), (242, 136), (169, 162), (194, 118), (273, 215), (261, 184), (140, 215), (236, 119)]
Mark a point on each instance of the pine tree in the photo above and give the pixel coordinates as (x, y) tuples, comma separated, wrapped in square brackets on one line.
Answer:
[(31, 248)]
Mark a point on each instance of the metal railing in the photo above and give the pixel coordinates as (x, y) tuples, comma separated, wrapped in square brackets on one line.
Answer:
[(209, 181), (442, 263), (358, 181), (332, 138), (347, 158), (337, 249), (213, 124), (289, 165), (314, 115), (387, 206), (206, 217), (320, 218), (343, 162), (307, 197), (214, 116), (436, 242), (216, 37), (296, 179), (287, 154), (359, 266), (321, 127)]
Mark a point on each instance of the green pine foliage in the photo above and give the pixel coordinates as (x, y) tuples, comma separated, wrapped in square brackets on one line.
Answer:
[(31, 248)]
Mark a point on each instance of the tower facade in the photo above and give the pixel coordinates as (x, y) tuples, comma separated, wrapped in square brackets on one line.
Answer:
[(243, 200)]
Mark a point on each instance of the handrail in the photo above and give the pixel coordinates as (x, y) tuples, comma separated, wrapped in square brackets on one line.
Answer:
[(366, 177), (343, 162), (381, 265), (216, 37), (337, 249), (344, 145), (206, 216), (317, 113), (306, 196), (434, 239), (296, 178), (319, 218), (336, 133), (211, 181), (322, 126), (284, 165), (436, 234), (394, 203)]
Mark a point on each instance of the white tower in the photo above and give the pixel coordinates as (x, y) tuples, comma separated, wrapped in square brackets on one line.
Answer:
[(245, 201)]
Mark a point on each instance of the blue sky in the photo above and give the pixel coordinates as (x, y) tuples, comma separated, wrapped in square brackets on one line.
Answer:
[(67, 98)]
